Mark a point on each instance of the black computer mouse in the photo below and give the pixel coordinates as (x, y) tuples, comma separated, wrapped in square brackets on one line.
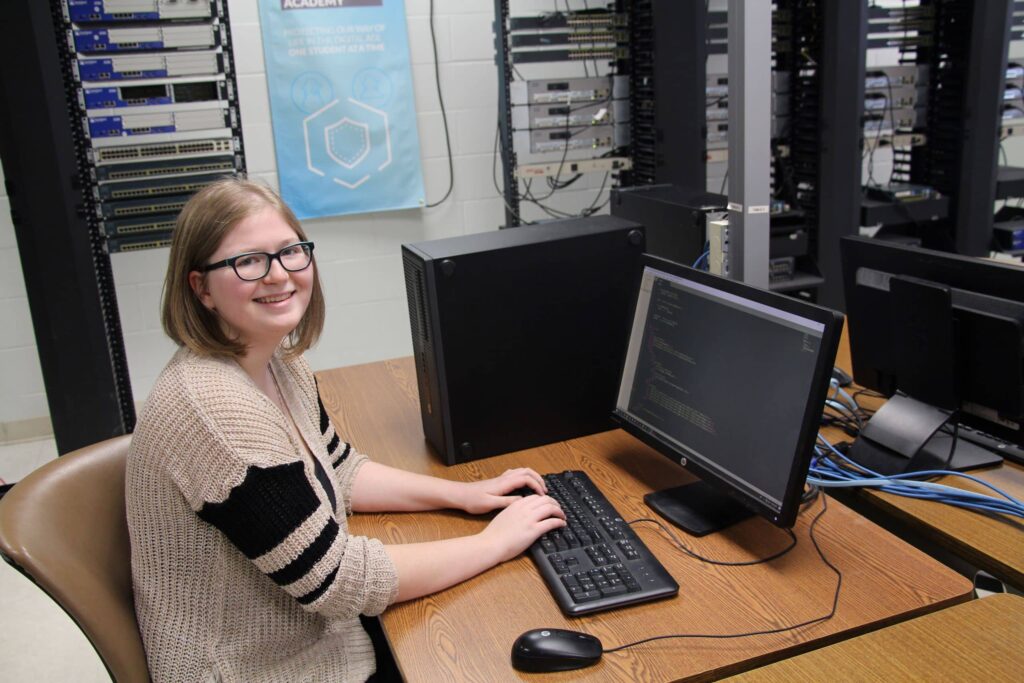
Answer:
[(554, 649)]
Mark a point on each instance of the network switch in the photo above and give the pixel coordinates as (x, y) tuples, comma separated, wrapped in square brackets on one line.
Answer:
[(569, 90), (155, 187), (162, 150), (159, 65), (555, 140), (563, 115), (139, 226), (149, 122), (571, 167), (138, 242), (884, 121), (895, 76), (162, 169), (155, 93), (142, 207), (578, 54), (160, 37), (600, 36), (899, 96), (901, 192), (84, 11), (590, 20)]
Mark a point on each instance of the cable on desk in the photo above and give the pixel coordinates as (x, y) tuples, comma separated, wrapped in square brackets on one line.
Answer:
[(783, 629), (722, 563), (847, 414), (831, 469)]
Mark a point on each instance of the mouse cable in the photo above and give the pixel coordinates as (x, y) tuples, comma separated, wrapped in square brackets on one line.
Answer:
[(783, 629), (723, 563)]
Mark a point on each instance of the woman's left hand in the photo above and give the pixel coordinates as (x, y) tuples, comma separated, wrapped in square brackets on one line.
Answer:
[(494, 494)]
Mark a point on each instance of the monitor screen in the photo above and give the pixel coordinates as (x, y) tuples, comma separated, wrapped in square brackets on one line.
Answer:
[(728, 381)]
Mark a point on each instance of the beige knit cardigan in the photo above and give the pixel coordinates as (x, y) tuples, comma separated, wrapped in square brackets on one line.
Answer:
[(242, 565)]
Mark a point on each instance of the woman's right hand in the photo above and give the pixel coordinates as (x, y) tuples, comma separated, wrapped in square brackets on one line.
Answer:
[(521, 523)]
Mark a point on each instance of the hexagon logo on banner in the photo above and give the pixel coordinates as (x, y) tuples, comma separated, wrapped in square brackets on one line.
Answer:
[(348, 142)]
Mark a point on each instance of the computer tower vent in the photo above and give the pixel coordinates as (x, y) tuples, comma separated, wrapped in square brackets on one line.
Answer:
[(414, 288)]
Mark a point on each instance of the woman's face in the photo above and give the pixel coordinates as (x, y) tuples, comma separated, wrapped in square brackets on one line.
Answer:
[(258, 312)]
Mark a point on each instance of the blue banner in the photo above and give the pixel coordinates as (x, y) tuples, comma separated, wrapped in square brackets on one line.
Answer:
[(342, 104)]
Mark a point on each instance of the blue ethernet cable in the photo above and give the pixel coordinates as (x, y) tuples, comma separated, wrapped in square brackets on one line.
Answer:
[(826, 473)]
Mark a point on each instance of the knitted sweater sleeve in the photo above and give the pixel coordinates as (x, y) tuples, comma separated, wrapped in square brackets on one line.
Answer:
[(238, 467), (345, 460)]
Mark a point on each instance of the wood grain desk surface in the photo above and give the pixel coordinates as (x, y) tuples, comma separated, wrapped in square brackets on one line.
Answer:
[(977, 641), (993, 543), (466, 633)]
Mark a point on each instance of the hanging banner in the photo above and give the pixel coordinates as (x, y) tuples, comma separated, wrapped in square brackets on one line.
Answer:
[(341, 100)]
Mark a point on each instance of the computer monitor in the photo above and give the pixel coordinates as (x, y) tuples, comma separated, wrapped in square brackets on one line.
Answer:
[(943, 336), (728, 381)]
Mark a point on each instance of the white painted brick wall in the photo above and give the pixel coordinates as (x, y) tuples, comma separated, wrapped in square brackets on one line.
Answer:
[(359, 256)]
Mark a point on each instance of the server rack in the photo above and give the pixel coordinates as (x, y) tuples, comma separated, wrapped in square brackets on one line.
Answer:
[(67, 273), (825, 64), (668, 50), (967, 67), (152, 84), (799, 260), (1008, 228), (115, 112), (565, 125)]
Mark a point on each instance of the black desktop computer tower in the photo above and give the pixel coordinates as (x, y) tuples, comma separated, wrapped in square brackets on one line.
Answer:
[(519, 334)]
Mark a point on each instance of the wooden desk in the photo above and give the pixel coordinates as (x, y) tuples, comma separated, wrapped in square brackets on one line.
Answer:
[(993, 543), (466, 633), (977, 641)]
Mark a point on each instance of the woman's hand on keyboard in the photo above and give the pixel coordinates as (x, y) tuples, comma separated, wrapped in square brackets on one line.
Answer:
[(522, 523), (483, 496)]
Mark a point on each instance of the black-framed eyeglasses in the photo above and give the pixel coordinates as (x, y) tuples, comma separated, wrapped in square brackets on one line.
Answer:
[(255, 265)]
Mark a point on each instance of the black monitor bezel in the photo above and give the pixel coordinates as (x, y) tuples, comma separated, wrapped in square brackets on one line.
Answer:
[(967, 273), (832, 322)]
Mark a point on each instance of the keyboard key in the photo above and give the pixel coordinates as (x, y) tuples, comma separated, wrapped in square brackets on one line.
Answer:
[(614, 590), (587, 596)]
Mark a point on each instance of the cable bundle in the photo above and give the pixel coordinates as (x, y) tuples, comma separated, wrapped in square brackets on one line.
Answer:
[(831, 469)]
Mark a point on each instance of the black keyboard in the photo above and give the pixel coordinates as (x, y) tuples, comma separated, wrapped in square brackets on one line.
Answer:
[(596, 562)]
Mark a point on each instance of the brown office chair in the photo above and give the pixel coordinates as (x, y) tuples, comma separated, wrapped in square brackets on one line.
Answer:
[(64, 527)]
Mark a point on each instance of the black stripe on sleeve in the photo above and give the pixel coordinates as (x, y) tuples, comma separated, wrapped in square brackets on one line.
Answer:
[(326, 483), (333, 445), (301, 565), (341, 458), (312, 595), (325, 421), (269, 504)]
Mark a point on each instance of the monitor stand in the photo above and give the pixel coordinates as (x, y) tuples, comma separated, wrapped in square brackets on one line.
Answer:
[(905, 436), (697, 508)]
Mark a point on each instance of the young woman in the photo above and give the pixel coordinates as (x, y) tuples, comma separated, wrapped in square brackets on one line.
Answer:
[(238, 485)]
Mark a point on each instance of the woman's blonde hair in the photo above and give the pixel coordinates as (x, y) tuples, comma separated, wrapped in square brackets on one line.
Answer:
[(202, 224)]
